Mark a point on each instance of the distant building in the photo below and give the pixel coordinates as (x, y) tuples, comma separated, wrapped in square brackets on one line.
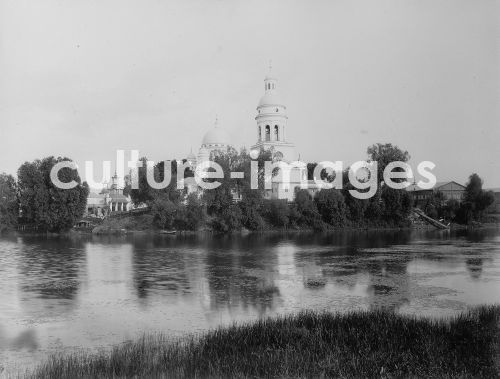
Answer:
[(117, 201), (450, 190), (111, 199)]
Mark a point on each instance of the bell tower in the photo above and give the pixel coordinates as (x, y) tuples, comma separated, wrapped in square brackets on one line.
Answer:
[(271, 123)]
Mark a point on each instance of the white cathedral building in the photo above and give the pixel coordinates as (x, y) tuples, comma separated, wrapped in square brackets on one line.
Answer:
[(271, 134)]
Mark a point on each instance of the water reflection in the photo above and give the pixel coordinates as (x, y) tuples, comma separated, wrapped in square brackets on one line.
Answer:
[(48, 274), (91, 291)]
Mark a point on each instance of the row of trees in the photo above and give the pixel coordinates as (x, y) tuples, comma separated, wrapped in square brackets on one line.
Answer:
[(34, 200), (217, 209)]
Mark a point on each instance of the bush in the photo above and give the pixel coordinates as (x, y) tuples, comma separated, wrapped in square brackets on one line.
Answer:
[(331, 206), (164, 213), (228, 220), (309, 215), (277, 212)]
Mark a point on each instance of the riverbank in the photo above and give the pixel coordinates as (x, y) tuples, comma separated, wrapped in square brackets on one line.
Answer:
[(359, 344), (145, 224)]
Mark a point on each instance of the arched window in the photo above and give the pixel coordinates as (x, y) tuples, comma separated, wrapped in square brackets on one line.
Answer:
[(260, 133), (276, 133), (268, 133)]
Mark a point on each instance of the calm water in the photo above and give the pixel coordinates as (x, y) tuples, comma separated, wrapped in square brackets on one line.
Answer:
[(68, 293)]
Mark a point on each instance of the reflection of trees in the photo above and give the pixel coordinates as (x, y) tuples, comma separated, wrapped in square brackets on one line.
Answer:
[(241, 272), (380, 259), (162, 270), (349, 260), (475, 267), (48, 270), (166, 265), (232, 271)]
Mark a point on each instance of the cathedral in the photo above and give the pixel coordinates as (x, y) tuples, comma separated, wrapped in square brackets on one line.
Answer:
[(271, 135)]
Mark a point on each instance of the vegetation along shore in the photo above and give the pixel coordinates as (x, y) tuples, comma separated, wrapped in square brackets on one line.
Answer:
[(33, 203), (308, 344)]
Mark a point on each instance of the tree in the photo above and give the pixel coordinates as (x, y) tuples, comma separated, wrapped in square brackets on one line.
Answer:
[(219, 199), (278, 213), (331, 206), (45, 205), (476, 200), (309, 215), (195, 214), (228, 220), (9, 208), (385, 154), (164, 212), (396, 205), (146, 194)]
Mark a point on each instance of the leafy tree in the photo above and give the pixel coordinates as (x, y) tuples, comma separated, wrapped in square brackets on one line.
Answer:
[(309, 215), (356, 208), (44, 204), (385, 154), (9, 208), (219, 199), (146, 194), (332, 207), (475, 202), (396, 205), (228, 220), (278, 213), (164, 212), (195, 214)]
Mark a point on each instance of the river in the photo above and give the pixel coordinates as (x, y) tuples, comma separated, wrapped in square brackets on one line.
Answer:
[(59, 294)]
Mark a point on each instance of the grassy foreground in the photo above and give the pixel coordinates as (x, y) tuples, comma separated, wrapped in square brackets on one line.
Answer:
[(366, 344)]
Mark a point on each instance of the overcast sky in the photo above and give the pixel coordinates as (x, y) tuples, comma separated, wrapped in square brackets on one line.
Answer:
[(83, 78)]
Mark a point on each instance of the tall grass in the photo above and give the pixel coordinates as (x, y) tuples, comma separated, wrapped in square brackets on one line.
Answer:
[(309, 344)]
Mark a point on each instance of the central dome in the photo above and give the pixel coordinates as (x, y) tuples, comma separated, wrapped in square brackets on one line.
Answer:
[(217, 137), (270, 98)]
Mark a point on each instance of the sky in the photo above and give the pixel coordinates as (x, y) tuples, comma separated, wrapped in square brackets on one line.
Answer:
[(83, 78)]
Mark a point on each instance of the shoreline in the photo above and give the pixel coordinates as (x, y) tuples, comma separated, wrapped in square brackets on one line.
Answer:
[(155, 232)]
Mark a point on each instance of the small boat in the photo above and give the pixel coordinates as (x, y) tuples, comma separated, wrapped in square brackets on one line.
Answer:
[(168, 232)]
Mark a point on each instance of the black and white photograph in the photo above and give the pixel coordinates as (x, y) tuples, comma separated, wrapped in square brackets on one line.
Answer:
[(249, 189)]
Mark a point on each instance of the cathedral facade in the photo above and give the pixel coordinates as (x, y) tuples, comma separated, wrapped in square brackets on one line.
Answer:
[(271, 134)]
